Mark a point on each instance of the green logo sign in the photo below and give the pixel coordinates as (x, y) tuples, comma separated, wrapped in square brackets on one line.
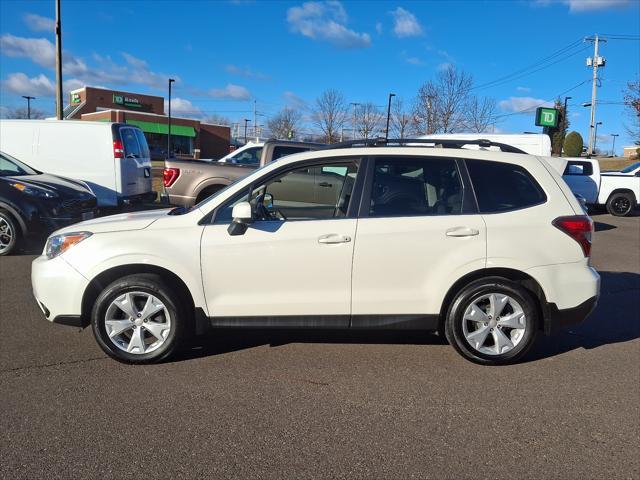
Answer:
[(126, 101), (75, 98), (546, 117), (119, 99)]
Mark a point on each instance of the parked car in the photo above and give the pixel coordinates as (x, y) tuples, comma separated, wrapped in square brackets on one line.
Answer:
[(34, 204), (188, 182), (112, 158), (617, 191), (487, 247)]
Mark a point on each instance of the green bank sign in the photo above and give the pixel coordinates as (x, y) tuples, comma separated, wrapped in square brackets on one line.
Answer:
[(126, 101), (546, 117)]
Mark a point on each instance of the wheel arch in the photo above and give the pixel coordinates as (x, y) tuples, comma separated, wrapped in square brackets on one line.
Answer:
[(517, 276), (622, 190), (104, 278), (211, 184), (16, 215)]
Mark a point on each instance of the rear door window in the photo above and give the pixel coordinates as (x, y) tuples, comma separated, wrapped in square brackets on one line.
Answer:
[(130, 142), (142, 141), (501, 187)]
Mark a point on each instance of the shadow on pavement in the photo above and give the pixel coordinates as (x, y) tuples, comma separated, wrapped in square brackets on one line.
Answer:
[(601, 227), (616, 319)]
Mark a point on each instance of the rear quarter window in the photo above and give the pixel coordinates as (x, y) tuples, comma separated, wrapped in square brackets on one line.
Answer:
[(579, 169), (502, 187)]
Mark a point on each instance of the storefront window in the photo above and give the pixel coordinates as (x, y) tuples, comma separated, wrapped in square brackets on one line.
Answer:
[(158, 145)]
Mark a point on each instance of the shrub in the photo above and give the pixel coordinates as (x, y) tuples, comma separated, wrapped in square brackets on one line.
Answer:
[(573, 145)]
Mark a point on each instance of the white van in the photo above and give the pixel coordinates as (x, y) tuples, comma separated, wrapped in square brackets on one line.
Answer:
[(112, 158), (532, 143)]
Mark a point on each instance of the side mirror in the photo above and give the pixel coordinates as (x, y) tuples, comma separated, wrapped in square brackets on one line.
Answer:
[(242, 216)]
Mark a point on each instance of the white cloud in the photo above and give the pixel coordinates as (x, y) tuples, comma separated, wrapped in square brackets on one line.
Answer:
[(522, 104), (231, 92), (577, 6), (21, 84), (410, 59), (523, 89), (326, 21), (38, 23), (182, 106), (444, 66), (405, 23), (294, 101), (245, 72), (379, 28), (41, 51)]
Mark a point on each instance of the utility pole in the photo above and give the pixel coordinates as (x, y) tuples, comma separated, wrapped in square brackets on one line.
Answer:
[(595, 137), (255, 120), (28, 104), (613, 146), (386, 132), (171, 80), (58, 62), (355, 106), (595, 63)]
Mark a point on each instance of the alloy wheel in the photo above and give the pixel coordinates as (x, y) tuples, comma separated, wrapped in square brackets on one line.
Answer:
[(621, 205), (6, 235), (494, 324), (137, 322)]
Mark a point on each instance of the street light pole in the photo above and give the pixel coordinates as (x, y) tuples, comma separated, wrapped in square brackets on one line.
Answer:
[(171, 80), (28, 104), (246, 120), (386, 132), (595, 137), (613, 146), (58, 62), (355, 105)]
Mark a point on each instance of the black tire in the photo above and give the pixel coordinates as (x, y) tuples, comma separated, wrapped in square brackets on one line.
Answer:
[(454, 320), (14, 242), (146, 283), (620, 204)]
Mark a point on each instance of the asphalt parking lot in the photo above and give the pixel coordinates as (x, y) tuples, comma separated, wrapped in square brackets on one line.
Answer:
[(327, 404)]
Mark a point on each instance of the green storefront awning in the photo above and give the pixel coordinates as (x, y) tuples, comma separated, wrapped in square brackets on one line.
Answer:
[(151, 127)]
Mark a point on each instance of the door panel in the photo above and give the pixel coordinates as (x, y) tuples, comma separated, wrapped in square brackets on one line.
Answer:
[(405, 265), (278, 268)]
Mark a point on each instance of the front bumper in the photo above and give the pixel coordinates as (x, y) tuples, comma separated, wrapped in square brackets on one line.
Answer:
[(58, 288)]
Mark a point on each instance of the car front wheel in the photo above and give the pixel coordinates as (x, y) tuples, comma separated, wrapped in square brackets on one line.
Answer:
[(493, 321), (137, 319), (8, 233)]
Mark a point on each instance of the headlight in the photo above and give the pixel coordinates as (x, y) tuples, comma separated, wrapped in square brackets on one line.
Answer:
[(34, 191), (58, 244)]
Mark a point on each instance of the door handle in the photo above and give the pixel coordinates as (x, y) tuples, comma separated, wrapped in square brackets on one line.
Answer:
[(325, 184), (461, 232), (334, 238)]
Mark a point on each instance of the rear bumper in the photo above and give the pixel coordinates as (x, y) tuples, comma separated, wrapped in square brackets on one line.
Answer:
[(556, 319)]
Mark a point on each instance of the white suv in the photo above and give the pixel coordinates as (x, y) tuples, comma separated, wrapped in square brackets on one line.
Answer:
[(487, 248)]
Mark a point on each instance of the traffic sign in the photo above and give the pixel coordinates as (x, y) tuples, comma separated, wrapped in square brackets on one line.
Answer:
[(546, 117)]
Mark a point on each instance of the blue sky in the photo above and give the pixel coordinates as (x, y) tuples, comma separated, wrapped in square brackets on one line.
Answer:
[(225, 54)]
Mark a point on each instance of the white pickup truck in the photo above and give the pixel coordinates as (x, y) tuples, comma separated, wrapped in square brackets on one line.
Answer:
[(618, 191)]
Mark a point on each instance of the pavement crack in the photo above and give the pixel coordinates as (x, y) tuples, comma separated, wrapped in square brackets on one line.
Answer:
[(47, 365)]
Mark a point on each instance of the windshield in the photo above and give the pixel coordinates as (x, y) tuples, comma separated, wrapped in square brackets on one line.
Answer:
[(12, 167), (630, 168)]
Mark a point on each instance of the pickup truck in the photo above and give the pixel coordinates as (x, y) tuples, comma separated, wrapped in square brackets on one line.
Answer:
[(618, 191), (187, 182)]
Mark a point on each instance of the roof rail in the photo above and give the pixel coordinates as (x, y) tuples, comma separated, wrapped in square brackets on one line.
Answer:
[(420, 142)]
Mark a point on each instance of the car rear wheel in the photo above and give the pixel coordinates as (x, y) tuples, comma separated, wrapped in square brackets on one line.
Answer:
[(620, 204), (8, 233), (137, 319), (493, 321)]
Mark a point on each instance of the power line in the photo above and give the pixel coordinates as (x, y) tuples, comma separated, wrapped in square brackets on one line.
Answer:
[(538, 63)]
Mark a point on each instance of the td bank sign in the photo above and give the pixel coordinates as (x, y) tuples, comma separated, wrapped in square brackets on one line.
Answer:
[(126, 101), (547, 117)]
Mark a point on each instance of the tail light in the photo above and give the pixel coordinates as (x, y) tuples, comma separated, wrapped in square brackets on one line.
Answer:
[(118, 149), (169, 176), (578, 227)]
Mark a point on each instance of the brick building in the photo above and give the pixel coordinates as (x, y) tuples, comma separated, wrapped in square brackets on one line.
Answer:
[(189, 137)]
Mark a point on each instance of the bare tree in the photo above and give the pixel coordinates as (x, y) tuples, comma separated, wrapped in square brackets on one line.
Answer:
[(330, 114), (480, 114), (21, 112), (400, 119), (441, 104), (632, 105), (368, 120), (216, 119), (285, 124)]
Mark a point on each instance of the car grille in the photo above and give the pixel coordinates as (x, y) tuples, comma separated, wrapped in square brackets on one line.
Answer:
[(78, 205)]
